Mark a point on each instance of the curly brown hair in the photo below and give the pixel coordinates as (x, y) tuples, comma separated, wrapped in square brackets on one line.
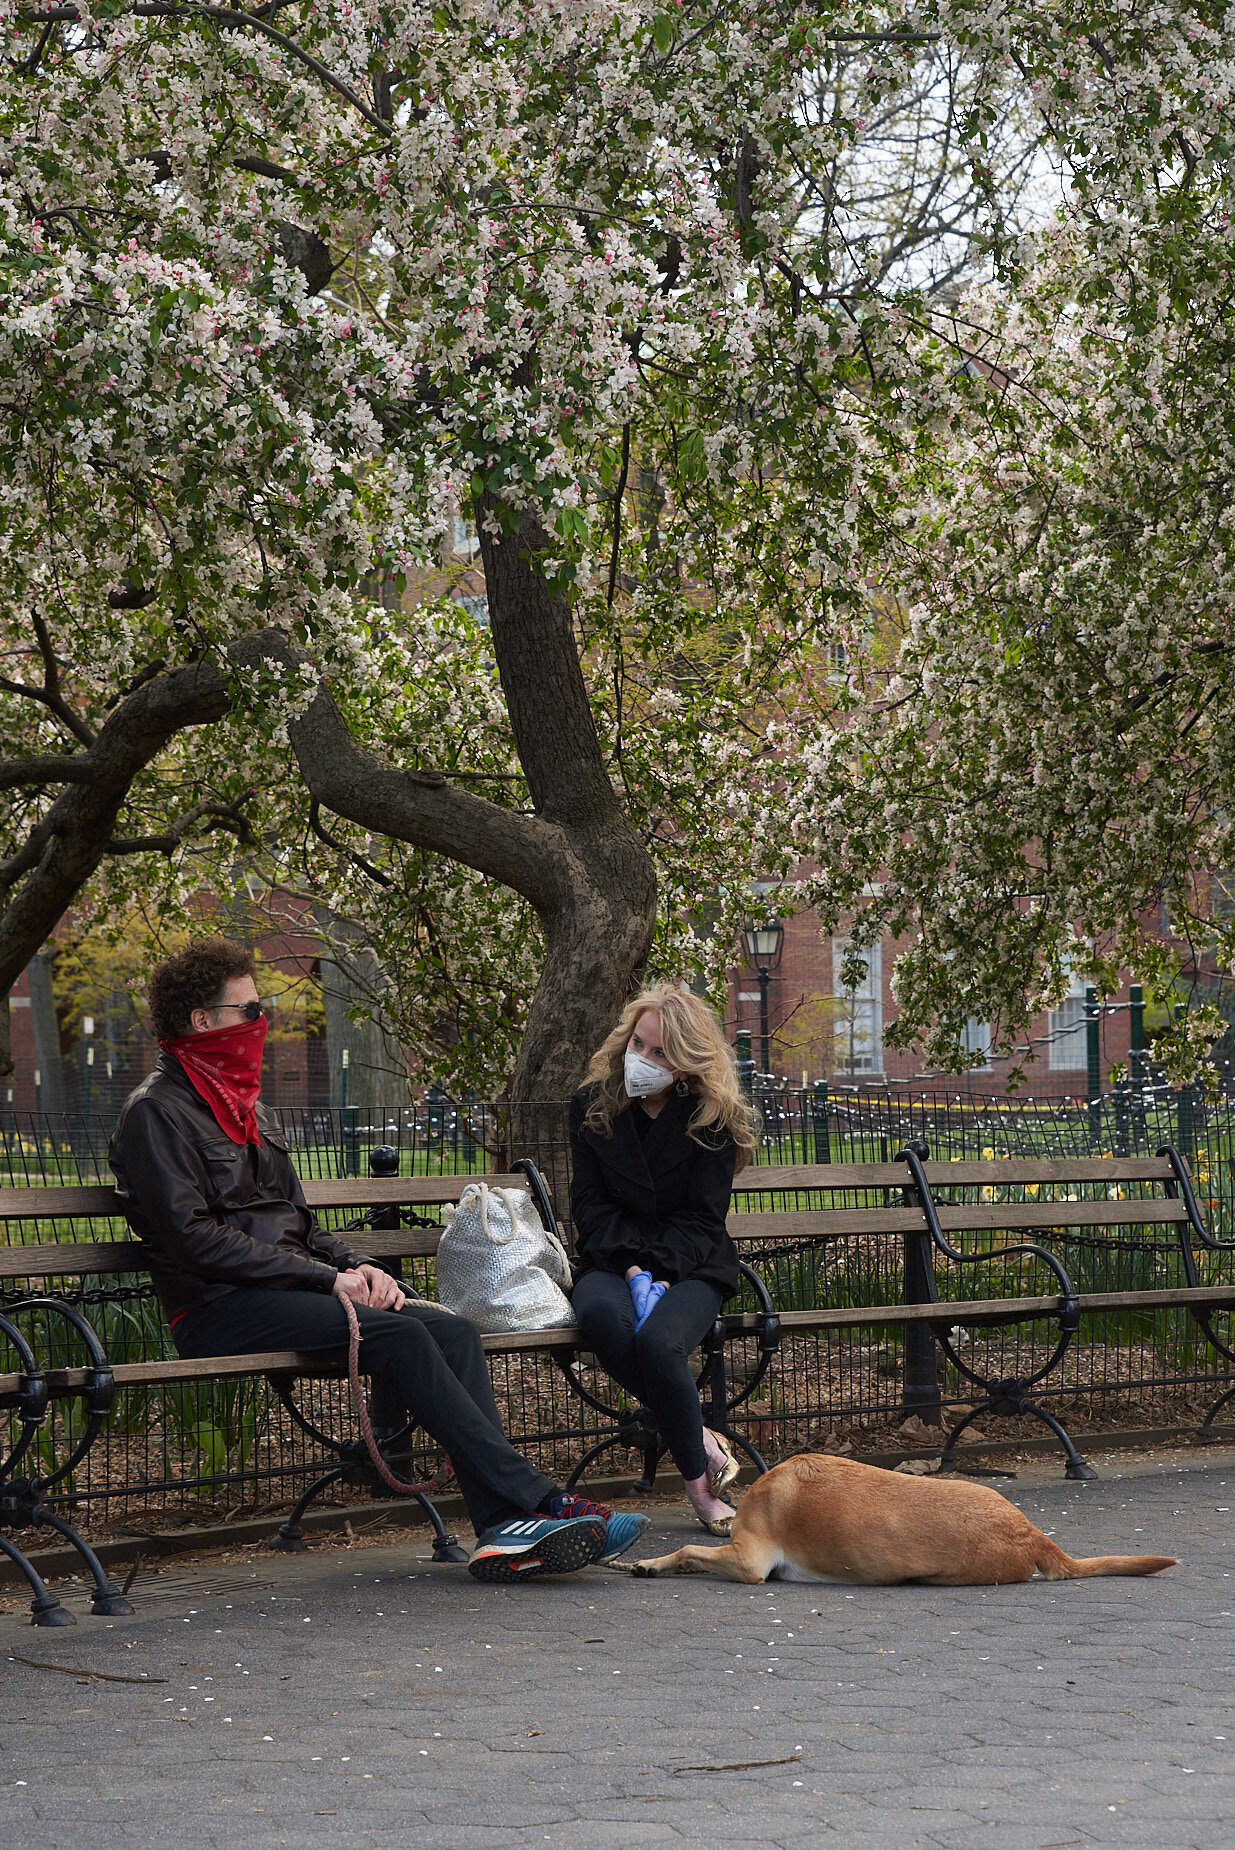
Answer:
[(193, 979)]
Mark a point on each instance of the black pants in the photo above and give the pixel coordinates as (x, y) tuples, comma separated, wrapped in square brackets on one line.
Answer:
[(431, 1360), (653, 1363)]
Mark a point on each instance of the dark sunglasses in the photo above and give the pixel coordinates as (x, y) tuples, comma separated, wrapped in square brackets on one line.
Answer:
[(251, 1011)]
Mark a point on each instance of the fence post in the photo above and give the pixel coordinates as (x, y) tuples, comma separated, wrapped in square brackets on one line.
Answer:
[(1136, 1020), (1123, 1139), (349, 1130), (920, 1376), (1185, 1123), (746, 1066), (1136, 1063), (1093, 1065), (819, 1121)]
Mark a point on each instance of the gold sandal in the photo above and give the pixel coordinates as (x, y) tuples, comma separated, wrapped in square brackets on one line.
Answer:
[(719, 1481), (719, 1525)]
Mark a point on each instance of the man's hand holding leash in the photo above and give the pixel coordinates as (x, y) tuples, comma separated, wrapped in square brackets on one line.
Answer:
[(368, 1284)]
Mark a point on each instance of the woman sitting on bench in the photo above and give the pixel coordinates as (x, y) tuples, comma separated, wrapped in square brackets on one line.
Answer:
[(656, 1135)]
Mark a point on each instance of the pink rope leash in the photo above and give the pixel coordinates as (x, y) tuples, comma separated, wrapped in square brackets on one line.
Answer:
[(400, 1485)]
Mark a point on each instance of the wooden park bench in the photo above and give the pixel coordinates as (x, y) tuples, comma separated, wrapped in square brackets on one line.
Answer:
[(952, 1219), (391, 1211), (918, 1217)]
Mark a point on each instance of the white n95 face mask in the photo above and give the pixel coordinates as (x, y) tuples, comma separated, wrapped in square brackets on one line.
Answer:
[(643, 1077)]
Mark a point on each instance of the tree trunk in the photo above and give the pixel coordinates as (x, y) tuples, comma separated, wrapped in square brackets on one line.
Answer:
[(577, 858), (599, 917)]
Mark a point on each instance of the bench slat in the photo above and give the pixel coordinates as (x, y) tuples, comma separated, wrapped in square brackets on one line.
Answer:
[(873, 1316), (1016, 1171), (1019, 1170), (58, 1203), (350, 1192), (71, 1258), (826, 1223), (1012, 1216), (78, 1259), (765, 1179)]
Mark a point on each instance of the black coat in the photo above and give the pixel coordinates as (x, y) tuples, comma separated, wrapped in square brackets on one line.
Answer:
[(660, 1201), (213, 1214)]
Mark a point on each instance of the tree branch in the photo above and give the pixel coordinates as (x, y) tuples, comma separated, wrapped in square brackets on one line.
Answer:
[(52, 697), (229, 816), (47, 770), (415, 806), (234, 19), (538, 662), (70, 841), (618, 494), (358, 861)]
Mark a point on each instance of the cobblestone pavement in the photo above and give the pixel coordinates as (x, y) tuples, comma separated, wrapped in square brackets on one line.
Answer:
[(367, 1697)]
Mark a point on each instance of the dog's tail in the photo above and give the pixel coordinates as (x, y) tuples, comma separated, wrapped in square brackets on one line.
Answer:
[(1056, 1565)]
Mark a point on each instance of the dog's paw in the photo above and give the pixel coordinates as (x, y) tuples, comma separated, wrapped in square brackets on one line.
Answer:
[(644, 1570)]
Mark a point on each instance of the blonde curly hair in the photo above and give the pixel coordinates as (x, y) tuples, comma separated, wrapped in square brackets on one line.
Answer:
[(695, 1045)]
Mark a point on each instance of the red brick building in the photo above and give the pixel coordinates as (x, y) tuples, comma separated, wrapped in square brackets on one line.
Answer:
[(819, 1029)]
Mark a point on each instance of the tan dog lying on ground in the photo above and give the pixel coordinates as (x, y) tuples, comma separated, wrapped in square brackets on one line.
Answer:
[(817, 1518)]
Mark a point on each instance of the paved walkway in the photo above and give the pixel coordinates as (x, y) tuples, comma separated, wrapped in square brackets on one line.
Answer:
[(367, 1697)]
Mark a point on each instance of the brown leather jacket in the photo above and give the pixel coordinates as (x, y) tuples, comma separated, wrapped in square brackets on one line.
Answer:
[(213, 1214)]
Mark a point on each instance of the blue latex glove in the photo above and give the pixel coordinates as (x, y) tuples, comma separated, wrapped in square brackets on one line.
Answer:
[(645, 1295)]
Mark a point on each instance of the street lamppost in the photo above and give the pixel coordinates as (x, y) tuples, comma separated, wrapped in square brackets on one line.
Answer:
[(764, 943)]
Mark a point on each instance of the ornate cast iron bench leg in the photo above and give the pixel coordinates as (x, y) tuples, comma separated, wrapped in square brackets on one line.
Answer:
[(1180, 1189), (1005, 1398), (635, 1429), (1008, 1397), (354, 1467), (45, 1608), (23, 1501)]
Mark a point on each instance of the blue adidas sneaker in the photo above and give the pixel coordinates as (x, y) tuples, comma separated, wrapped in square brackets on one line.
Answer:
[(527, 1546), (621, 1528)]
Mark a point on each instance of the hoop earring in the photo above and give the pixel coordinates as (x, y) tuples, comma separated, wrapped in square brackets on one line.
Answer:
[(682, 1089)]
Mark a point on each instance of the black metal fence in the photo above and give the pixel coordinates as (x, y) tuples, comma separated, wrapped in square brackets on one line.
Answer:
[(221, 1449)]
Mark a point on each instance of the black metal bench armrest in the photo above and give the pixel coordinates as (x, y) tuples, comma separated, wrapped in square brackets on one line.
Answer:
[(98, 1386), (1180, 1189), (538, 1191), (767, 1328), (29, 1400), (1069, 1313)]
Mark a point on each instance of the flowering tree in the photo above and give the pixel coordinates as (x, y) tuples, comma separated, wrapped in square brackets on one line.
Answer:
[(286, 288), (1036, 782)]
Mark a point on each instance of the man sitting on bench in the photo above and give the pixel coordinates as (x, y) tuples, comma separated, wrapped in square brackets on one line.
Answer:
[(242, 1266)]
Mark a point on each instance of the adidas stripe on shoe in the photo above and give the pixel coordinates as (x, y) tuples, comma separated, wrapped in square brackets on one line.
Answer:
[(528, 1546), (622, 1529)]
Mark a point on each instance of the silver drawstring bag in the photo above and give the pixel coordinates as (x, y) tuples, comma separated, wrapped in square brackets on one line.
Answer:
[(499, 1266)]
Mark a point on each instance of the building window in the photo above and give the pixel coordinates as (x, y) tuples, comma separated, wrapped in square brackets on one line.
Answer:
[(1066, 1028), (858, 1026), (475, 604), (976, 1038), (1222, 896)]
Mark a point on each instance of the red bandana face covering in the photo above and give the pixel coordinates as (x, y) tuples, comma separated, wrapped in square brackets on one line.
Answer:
[(224, 1066)]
